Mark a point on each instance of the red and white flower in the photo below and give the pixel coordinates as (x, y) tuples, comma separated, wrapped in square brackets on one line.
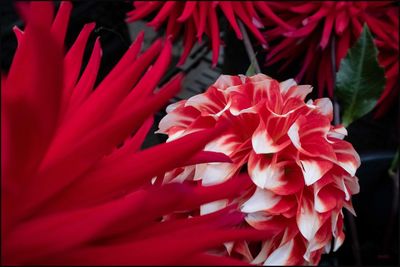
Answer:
[(198, 18), (303, 172)]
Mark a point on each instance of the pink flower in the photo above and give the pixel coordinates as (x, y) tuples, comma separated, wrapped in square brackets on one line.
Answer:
[(316, 23), (198, 18), (69, 195), (303, 172)]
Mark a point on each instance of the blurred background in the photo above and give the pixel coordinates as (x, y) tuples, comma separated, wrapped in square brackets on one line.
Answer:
[(371, 238)]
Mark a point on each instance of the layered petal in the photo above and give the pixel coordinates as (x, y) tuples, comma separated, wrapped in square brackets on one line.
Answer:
[(301, 169), (308, 134)]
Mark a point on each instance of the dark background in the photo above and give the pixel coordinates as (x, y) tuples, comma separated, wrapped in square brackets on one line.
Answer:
[(376, 235)]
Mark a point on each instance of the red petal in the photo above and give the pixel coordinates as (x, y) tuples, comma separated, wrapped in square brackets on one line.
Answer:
[(162, 14), (32, 103), (188, 42), (187, 11), (246, 20), (227, 9), (208, 156), (268, 13), (308, 134), (143, 10), (215, 40), (347, 157), (73, 62), (308, 220), (60, 23), (84, 87)]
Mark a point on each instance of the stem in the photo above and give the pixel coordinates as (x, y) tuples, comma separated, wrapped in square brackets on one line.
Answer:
[(395, 202), (336, 120), (336, 112), (336, 107), (249, 48)]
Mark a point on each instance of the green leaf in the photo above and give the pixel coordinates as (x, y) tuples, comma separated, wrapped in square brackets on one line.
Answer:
[(252, 70), (360, 79)]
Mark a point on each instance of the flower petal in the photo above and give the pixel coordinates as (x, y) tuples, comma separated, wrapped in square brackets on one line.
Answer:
[(288, 254), (308, 134), (347, 157), (261, 200), (314, 168), (308, 220)]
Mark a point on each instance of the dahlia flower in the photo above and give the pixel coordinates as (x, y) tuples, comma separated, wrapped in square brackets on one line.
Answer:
[(387, 41), (317, 23), (302, 170), (76, 188), (198, 18)]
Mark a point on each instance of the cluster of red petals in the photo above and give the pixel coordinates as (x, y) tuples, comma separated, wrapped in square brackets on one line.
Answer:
[(198, 18), (302, 170), (387, 41), (75, 187), (317, 23)]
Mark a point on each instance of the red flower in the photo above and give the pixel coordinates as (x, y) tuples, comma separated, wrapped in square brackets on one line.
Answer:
[(302, 170), (387, 40), (69, 195), (196, 18), (317, 23)]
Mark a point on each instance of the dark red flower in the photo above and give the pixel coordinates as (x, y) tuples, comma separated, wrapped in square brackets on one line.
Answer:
[(69, 195), (198, 18), (386, 29), (317, 23)]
